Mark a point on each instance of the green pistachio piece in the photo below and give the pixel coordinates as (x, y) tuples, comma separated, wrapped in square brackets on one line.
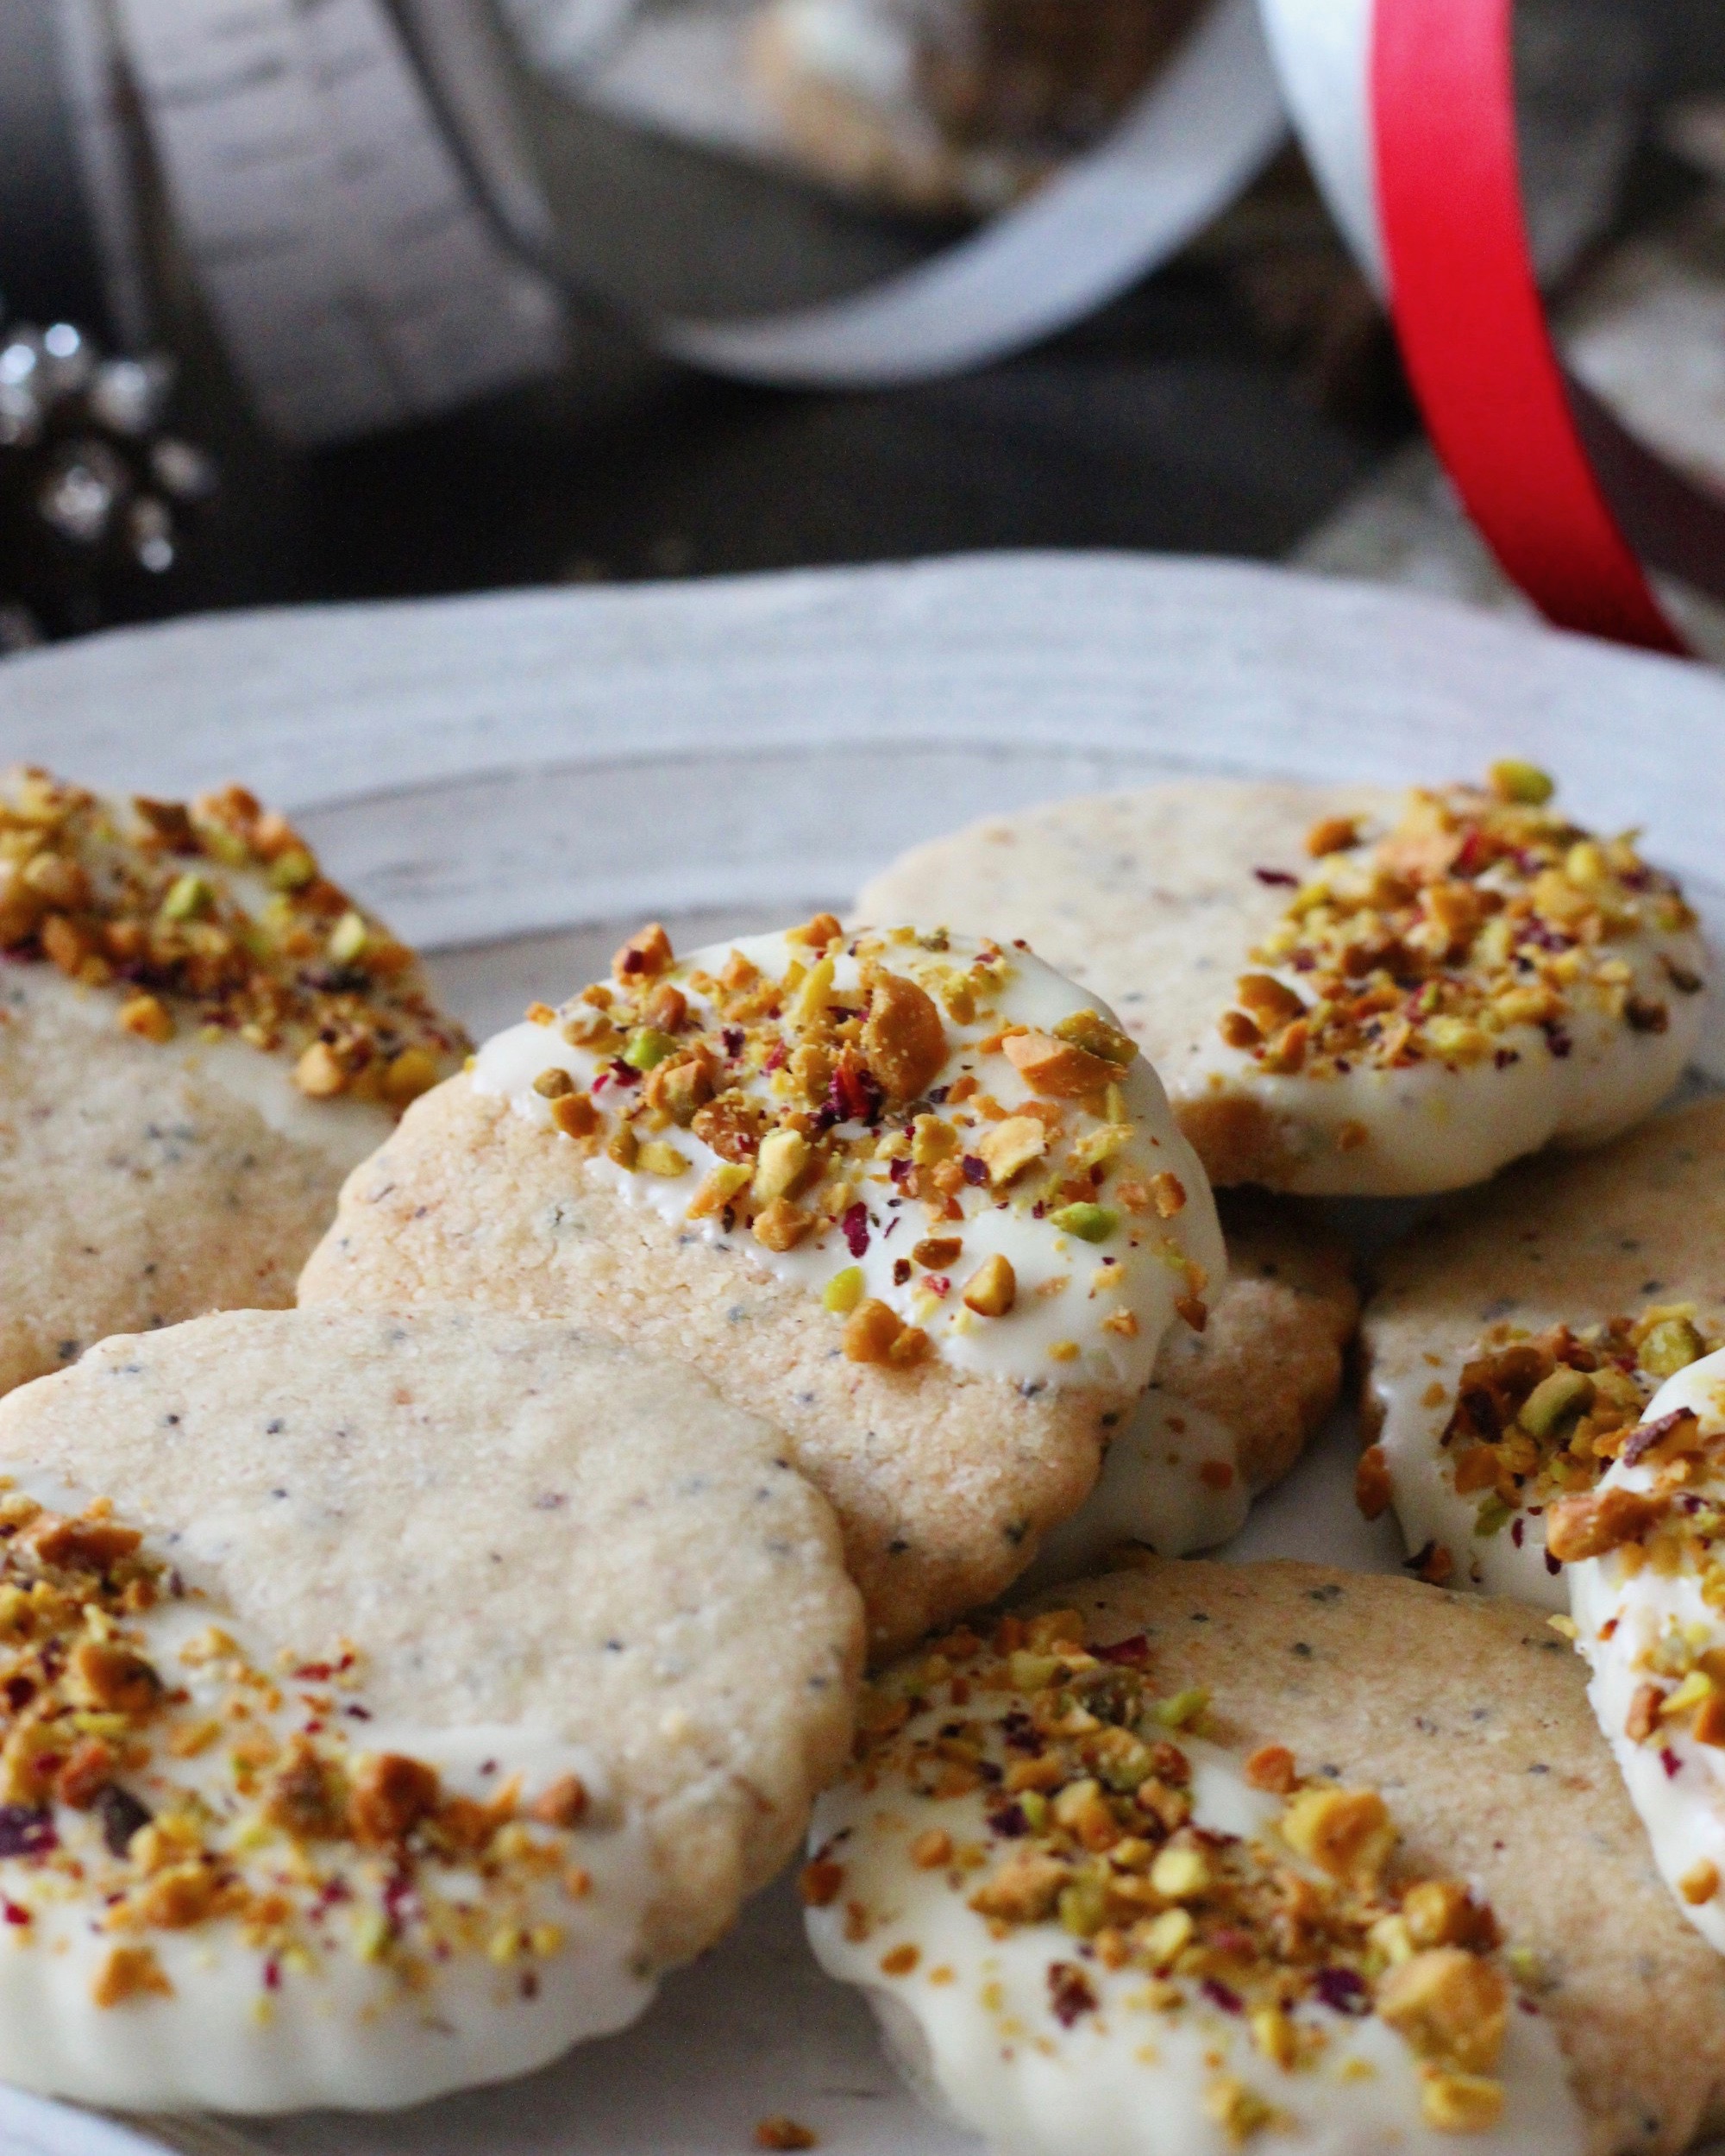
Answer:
[(843, 1291), (1564, 1393), (1091, 1031), (187, 896), (225, 846), (1491, 1518), (349, 938), (1089, 1223), (292, 870), (647, 1047), (1084, 1908), (1183, 1709), (1514, 780), (1671, 1346)]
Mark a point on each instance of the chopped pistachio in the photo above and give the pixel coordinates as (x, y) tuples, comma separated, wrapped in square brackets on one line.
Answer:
[(992, 1289), (188, 896), (1566, 1392), (1513, 780), (1183, 1709), (722, 1182), (1179, 1874), (292, 870), (1167, 1935), (349, 938), (1090, 1031), (1084, 1908), (1671, 1346), (844, 1291), (783, 1160), (1089, 1223), (647, 1048), (1460, 2103)]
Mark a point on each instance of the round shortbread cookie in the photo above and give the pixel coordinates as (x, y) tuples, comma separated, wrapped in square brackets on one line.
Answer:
[(1513, 1345), (1229, 1410), (880, 1190), (469, 1673), (1438, 1925), (199, 1037), (1347, 990)]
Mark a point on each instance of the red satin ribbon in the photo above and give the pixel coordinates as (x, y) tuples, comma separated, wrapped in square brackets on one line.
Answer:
[(1530, 451)]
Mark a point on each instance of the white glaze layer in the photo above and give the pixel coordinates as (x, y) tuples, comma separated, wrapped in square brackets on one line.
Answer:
[(1140, 1269), (329, 2019), (1477, 983), (344, 1131), (1417, 1398), (1171, 1480), (1625, 1615), (973, 2028), (1438, 1126)]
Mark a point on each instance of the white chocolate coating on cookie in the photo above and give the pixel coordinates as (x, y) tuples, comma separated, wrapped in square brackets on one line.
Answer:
[(1650, 1619), (1506, 1556), (1347, 992), (1172, 1481), (173, 1942), (474, 1503), (213, 921), (1478, 981), (1441, 1126), (200, 1036), (342, 1131), (1095, 1284), (1050, 2033), (1476, 1448)]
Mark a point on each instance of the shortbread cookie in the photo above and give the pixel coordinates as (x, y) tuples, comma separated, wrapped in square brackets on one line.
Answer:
[(1229, 1410), (467, 1673), (1645, 1554), (1283, 1855), (1514, 1345), (199, 1037), (917, 1200), (1344, 992)]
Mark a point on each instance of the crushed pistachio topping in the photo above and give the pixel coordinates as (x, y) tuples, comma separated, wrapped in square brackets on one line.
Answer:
[(1049, 1781), (1538, 1418), (155, 1781), (1483, 914), (1671, 1528), (828, 1099), (214, 920)]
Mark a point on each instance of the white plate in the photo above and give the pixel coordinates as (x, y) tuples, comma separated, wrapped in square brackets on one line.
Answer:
[(516, 779)]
